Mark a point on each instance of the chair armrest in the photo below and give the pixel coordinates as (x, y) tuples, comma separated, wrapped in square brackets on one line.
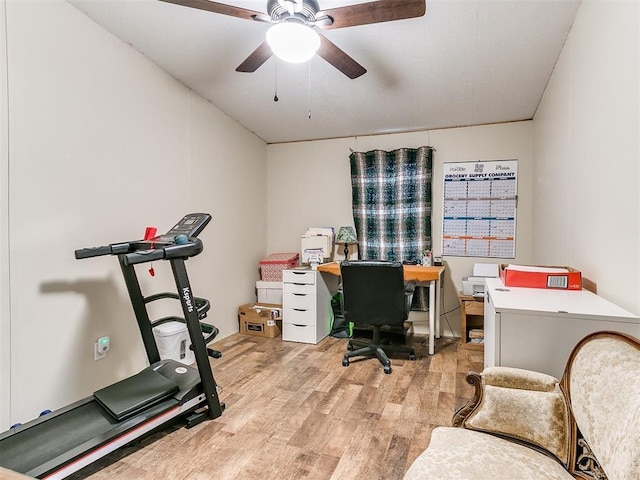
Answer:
[(522, 405), (509, 377), (409, 289)]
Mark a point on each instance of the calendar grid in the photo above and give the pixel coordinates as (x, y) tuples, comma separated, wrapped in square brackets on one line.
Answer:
[(479, 209)]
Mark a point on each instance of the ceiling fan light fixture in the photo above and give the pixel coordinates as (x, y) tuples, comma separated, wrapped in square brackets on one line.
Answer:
[(293, 42)]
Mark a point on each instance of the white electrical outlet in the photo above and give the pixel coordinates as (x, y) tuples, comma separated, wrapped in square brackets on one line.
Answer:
[(101, 347)]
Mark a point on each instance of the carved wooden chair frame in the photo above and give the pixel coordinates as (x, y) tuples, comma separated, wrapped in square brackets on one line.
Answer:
[(582, 463)]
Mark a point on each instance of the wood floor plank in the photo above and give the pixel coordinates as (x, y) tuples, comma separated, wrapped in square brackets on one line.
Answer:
[(351, 464), (395, 459), (294, 412)]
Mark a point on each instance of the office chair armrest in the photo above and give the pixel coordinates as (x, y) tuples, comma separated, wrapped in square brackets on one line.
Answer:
[(409, 289)]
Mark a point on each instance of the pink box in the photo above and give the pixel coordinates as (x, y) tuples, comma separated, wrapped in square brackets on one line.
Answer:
[(271, 268)]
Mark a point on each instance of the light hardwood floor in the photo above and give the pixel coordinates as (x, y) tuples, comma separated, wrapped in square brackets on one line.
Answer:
[(294, 412)]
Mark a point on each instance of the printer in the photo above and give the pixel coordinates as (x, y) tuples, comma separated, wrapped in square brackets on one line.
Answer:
[(474, 285)]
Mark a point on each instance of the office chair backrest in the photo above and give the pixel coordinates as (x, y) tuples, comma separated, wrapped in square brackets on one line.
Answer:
[(373, 292)]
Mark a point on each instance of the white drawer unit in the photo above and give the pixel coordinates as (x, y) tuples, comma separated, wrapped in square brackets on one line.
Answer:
[(536, 328), (306, 302), (302, 317), (300, 296), (299, 276)]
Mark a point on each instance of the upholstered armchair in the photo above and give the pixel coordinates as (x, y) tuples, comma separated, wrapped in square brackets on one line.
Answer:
[(527, 425)]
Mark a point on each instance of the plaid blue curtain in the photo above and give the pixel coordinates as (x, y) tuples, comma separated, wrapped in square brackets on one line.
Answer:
[(392, 202), (392, 206)]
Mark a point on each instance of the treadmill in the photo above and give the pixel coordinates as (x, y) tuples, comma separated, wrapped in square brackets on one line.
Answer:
[(60, 443)]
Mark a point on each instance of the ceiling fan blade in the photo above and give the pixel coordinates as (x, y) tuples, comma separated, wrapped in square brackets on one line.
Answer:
[(374, 12), (256, 59), (336, 57), (216, 7)]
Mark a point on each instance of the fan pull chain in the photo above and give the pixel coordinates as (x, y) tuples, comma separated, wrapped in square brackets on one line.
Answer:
[(275, 70), (309, 85)]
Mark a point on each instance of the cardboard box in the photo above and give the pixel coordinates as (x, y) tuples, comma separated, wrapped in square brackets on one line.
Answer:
[(261, 320), (271, 268), (534, 276)]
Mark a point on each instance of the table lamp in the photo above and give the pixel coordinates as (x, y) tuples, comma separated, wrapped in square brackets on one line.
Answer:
[(346, 236)]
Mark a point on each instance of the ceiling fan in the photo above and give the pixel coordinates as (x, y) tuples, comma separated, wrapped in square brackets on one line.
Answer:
[(303, 16)]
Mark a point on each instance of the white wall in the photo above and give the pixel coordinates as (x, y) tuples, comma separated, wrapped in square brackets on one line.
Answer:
[(310, 185), (587, 173), (5, 340), (102, 143)]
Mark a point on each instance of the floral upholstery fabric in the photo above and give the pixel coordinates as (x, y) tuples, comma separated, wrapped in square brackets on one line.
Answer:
[(460, 454), (538, 415), (604, 387), (509, 377)]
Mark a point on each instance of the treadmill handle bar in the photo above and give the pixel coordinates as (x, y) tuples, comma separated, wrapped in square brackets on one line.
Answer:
[(174, 250), (144, 256), (113, 249)]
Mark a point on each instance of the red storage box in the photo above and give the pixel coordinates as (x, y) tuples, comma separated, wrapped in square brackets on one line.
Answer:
[(571, 279), (271, 267)]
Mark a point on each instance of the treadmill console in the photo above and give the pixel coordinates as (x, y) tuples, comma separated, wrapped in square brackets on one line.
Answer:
[(179, 241), (190, 225)]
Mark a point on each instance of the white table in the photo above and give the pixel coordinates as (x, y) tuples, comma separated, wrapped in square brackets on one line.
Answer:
[(537, 328)]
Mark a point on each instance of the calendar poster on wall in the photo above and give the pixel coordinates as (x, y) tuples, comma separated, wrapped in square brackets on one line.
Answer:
[(479, 209)]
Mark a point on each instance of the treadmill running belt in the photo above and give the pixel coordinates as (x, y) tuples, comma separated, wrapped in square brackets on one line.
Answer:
[(37, 445), (133, 394)]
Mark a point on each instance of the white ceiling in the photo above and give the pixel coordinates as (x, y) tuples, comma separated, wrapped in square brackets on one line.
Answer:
[(466, 62)]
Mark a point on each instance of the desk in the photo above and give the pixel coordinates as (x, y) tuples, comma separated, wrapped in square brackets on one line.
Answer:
[(421, 275), (471, 316), (537, 328)]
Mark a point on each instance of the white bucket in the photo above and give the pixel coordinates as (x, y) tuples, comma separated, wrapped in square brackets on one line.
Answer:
[(173, 342)]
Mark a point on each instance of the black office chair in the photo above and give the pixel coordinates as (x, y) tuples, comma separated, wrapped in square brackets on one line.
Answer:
[(374, 294)]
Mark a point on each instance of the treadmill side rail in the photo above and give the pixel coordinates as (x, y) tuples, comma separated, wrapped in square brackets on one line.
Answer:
[(110, 442)]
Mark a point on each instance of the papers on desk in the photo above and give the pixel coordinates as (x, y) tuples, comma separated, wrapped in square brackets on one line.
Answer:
[(326, 231), (485, 270), (316, 245)]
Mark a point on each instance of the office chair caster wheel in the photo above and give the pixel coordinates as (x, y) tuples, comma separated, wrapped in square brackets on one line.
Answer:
[(350, 346), (387, 369), (345, 362), (412, 356)]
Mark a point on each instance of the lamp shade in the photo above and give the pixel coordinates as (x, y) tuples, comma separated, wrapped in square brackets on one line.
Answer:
[(293, 42), (346, 235)]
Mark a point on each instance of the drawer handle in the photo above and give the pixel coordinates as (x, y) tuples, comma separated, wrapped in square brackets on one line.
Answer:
[(300, 294), (299, 309), (298, 325), (299, 283), (299, 273)]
